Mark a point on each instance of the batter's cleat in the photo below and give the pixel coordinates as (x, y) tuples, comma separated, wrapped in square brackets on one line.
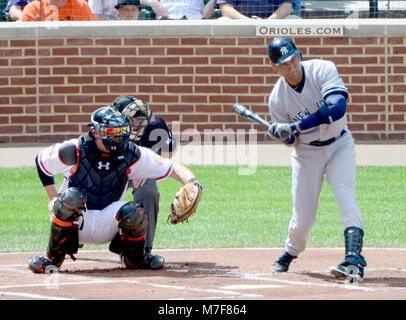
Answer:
[(151, 262), (348, 272), (352, 268), (42, 265), (282, 262)]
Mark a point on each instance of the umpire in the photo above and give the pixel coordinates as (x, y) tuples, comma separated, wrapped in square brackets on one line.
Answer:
[(151, 132)]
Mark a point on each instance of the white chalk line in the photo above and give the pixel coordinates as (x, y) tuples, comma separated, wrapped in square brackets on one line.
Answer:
[(257, 277), (262, 277), (54, 283), (30, 295), (215, 249)]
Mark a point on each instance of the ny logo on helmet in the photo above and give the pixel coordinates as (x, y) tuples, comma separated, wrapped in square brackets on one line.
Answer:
[(284, 50), (106, 166)]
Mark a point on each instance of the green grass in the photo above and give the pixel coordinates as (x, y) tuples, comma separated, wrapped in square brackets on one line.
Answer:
[(235, 211)]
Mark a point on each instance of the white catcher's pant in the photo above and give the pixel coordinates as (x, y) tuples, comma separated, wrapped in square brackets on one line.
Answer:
[(99, 226), (309, 166)]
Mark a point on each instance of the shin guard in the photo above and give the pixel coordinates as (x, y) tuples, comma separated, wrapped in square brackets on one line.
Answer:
[(64, 238), (129, 242)]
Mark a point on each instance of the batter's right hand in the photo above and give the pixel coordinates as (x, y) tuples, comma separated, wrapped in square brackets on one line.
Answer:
[(273, 132)]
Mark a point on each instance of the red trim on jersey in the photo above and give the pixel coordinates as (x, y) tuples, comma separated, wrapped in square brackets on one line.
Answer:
[(166, 174), (75, 167), (129, 168), (43, 167)]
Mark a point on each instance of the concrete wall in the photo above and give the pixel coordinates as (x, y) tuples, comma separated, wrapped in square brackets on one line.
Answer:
[(53, 74)]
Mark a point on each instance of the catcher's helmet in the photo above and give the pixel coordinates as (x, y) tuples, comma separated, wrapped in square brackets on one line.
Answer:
[(113, 128), (138, 111), (281, 50)]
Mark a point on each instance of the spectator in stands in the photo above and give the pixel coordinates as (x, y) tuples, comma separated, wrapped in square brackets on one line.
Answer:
[(104, 9), (128, 9), (15, 8), (57, 10), (297, 7), (255, 9), (181, 9)]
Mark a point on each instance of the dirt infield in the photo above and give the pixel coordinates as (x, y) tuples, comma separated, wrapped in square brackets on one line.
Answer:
[(206, 274)]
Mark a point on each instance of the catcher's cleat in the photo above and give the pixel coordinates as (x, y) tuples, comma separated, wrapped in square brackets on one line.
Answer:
[(349, 272), (151, 262), (282, 262), (42, 265)]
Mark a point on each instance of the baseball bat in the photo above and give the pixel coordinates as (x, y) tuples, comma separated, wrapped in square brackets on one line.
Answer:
[(247, 113)]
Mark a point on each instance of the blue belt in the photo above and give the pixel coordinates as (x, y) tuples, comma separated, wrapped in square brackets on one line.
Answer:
[(326, 142)]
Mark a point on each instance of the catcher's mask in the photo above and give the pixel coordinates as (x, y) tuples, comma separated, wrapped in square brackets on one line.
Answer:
[(112, 127), (138, 111)]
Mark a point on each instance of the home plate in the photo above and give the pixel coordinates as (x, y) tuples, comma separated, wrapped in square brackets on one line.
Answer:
[(249, 286)]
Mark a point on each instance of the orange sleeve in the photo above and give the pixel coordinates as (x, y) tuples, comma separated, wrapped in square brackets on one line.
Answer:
[(30, 12), (86, 12)]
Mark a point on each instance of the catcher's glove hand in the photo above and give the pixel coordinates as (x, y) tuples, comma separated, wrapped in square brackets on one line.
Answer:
[(186, 201)]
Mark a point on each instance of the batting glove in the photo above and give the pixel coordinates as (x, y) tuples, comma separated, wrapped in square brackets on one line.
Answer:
[(272, 132), (284, 130)]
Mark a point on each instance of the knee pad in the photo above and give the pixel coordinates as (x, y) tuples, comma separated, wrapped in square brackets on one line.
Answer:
[(132, 221), (130, 240), (69, 205)]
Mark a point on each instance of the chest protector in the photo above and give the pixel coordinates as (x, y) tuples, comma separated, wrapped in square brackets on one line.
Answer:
[(101, 177)]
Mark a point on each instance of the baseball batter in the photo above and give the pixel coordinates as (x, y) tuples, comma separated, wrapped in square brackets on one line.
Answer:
[(308, 106)]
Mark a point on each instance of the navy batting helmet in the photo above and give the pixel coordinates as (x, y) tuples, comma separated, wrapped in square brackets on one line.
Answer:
[(281, 50)]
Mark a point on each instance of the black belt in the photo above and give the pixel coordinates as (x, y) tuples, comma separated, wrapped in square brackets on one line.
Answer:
[(326, 142)]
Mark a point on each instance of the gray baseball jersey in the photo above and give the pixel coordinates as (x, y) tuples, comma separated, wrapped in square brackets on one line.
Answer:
[(287, 105)]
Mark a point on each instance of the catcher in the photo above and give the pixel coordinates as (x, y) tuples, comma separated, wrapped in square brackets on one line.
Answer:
[(90, 206), (149, 131)]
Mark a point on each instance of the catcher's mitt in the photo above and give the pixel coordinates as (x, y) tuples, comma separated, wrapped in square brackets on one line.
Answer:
[(186, 200)]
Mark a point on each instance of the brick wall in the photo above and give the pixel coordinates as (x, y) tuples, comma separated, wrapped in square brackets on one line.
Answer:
[(48, 86)]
